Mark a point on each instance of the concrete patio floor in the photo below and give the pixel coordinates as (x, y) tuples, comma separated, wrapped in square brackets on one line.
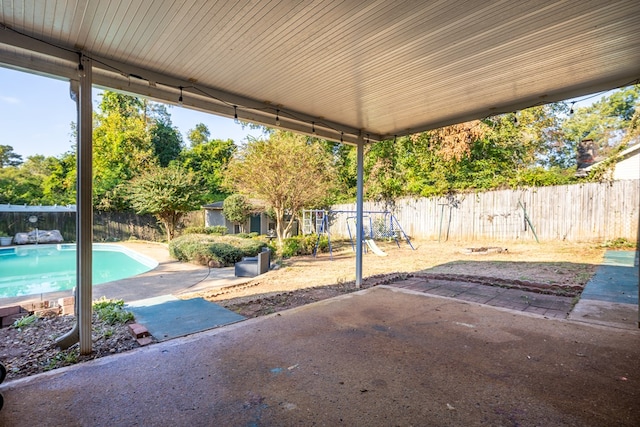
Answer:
[(383, 356)]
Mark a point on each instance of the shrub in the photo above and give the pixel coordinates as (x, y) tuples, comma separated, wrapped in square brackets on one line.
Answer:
[(226, 253), (290, 247), (303, 245), (619, 243), (219, 230), (111, 311), (213, 250), (25, 321), (251, 235), (193, 230)]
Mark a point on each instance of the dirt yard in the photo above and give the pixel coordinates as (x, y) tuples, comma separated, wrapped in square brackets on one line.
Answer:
[(306, 279)]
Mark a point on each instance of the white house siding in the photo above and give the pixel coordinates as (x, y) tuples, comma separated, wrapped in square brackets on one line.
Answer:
[(628, 168), (214, 218)]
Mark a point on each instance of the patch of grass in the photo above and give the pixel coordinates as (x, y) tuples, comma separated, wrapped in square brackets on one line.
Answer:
[(619, 243), (25, 321), (112, 311), (583, 277), (574, 301), (63, 358)]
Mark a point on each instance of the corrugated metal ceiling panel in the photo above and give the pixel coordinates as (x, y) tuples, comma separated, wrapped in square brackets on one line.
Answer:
[(385, 67)]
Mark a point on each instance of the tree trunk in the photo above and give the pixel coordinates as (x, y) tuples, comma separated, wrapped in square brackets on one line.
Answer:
[(280, 231), (167, 227)]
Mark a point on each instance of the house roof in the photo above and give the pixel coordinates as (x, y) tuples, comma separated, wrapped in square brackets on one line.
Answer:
[(256, 204), (342, 69), (214, 206), (634, 150), (630, 151)]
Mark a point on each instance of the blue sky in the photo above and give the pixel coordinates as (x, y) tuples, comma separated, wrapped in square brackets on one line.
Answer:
[(36, 114)]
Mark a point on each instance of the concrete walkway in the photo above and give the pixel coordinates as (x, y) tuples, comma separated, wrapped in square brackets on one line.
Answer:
[(383, 356), (548, 306), (610, 298)]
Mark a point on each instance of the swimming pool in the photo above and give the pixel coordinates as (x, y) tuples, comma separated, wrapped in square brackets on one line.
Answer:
[(31, 270)]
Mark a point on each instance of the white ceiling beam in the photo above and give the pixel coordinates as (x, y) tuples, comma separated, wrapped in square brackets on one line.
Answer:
[(165, 88), (26, 53)]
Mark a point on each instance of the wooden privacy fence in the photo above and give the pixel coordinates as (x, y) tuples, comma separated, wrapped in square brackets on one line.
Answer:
[(581, 212), (107, 226)]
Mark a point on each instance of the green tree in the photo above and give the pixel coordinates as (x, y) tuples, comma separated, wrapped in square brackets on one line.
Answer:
[(385, 180), (167, 193), (541, 137), (236, 208), (59, 184), (431, 163), (606, 122), (19, 186), (122, 148), (39, 180), (8, 157), (167, 142), (121, 104), (287, 171), (198, 135), (208, 160), (345, 165)]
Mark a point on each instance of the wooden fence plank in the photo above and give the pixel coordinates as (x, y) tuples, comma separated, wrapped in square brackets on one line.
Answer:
[(580, 212)]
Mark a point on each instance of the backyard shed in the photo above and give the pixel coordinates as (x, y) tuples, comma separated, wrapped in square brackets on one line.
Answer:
[(214, 216)]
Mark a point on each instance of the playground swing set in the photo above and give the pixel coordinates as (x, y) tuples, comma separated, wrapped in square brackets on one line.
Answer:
[(385, 226)]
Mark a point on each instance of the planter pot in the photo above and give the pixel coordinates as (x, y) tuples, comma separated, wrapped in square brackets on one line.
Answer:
[(5, 241)]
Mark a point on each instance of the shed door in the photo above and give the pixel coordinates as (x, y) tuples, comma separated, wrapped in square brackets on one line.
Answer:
[(254, 227)]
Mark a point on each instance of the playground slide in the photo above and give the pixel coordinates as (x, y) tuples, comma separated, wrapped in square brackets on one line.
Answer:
[(374, 248)]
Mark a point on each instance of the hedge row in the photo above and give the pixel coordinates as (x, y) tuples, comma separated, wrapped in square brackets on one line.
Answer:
[(212, 250)]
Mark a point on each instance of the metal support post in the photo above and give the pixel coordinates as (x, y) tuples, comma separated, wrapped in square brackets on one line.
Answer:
[(359, 209), (84, 215)]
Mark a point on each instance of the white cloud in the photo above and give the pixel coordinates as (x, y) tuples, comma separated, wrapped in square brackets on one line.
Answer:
[(9, 100)]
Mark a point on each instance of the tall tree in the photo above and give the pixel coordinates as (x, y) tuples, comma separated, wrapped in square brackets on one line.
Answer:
[(167, 193), (59, 185), (287, 171), (167, 142), (208, 160), (606, 121), (8, 157), (19, 186), (385, 180), (122, 148), (198, 135), (165, 138)]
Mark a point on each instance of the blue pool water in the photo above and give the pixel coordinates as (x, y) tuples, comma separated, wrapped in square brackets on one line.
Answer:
[(38, 269)]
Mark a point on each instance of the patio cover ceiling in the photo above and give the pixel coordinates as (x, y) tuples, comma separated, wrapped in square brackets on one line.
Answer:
[(344, 68)]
